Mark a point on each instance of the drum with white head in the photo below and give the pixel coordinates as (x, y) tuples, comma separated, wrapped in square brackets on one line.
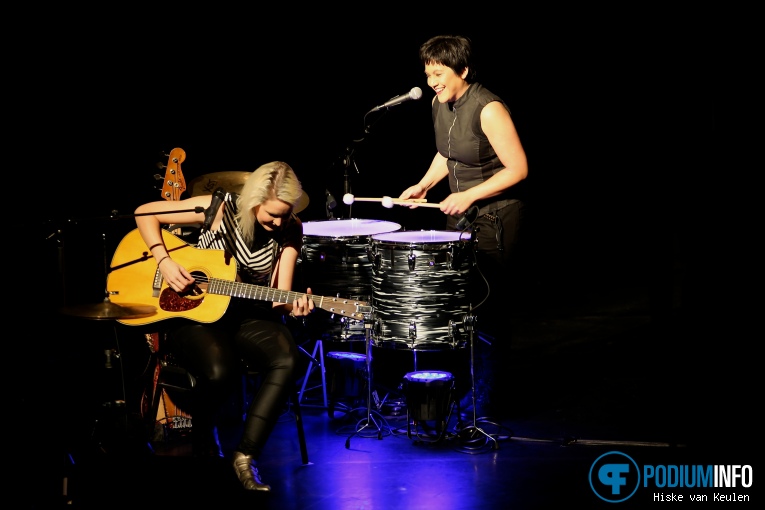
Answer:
[(420, 289), (334, 261)]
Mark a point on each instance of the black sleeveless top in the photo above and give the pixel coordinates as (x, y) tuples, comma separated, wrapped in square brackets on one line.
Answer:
[(470, 157)]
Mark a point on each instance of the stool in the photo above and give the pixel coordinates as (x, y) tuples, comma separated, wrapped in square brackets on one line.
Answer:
[(314, 363)]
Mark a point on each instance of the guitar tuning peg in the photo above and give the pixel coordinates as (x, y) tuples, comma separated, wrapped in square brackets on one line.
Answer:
[(158, 177), (161, 165)]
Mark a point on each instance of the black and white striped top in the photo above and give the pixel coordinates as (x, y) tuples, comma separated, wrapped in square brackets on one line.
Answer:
[(254, 263)]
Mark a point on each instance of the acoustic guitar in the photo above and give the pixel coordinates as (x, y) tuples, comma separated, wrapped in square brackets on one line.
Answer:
[(133, 279)]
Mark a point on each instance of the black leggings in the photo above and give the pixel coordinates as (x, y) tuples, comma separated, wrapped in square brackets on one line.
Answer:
[(216, 358)]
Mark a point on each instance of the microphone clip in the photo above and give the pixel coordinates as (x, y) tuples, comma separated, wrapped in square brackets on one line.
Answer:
[(468, 218), (330, 203), (217, 198)]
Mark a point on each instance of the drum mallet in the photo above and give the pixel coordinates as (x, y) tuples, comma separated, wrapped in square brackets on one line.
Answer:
[(388, 202)]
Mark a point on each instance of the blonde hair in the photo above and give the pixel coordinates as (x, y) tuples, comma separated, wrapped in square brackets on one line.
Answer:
[(275, 180)]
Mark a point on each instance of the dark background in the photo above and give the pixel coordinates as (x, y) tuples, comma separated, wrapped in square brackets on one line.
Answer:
[(612, 106), (606, 107)]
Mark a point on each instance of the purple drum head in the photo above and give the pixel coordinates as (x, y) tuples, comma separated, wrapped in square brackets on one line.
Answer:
[(420, 236), (426, 377), (353, 356), (348, 228)]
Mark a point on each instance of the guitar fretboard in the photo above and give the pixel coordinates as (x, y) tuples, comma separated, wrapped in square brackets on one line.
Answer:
[(250, 291)]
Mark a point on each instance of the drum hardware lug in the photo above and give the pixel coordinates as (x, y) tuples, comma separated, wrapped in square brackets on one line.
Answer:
[(375, 260), (412, 330), (453, 332), (456, 257), (469, 321), (411, 259)]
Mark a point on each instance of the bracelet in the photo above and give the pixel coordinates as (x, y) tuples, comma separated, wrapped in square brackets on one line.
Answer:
[(163, 258)]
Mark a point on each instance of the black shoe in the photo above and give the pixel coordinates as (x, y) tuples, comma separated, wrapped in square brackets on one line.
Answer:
[(246, 470)]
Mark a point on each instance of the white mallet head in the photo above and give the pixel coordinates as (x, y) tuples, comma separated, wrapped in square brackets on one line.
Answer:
[(387, 202), (348, 199)]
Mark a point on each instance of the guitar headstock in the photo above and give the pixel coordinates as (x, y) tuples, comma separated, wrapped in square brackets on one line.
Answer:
[(174, 184)]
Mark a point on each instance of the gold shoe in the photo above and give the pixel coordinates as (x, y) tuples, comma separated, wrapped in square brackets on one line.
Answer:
[(244, 465)]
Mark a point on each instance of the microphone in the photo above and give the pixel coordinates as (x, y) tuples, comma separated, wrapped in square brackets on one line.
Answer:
[(331, 202), (415, 93), (466, 220), (217, 198)]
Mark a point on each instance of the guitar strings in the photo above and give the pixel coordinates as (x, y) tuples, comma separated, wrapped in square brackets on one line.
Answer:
[(269, 290)]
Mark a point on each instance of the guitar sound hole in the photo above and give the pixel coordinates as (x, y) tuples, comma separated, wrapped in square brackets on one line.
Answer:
[(172, 301)]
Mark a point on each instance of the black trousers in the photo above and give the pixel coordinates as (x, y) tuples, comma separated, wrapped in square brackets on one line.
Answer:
[(217, 354), (494, 281), (495, 292)]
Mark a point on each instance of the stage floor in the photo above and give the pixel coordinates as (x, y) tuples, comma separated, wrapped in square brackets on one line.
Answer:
[(584, 380)]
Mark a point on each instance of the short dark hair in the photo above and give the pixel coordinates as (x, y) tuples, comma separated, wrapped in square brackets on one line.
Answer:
[(454, 51)]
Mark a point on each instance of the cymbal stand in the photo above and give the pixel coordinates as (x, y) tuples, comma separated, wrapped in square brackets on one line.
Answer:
[(473, 437), (369, 423)]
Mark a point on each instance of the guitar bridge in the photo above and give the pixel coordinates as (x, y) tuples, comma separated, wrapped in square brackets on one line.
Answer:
[(157, 284)]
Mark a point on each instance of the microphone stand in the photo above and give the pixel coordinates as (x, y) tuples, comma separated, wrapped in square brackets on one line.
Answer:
[(110, 431), (114, 216), (369, 422), (348, 161), (469, 435)]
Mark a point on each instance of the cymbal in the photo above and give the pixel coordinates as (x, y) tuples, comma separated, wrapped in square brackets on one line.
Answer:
[(109, 310), (232, 181), (208, 183)]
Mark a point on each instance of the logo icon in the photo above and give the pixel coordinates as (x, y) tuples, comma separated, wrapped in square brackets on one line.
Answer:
[(614, 477)]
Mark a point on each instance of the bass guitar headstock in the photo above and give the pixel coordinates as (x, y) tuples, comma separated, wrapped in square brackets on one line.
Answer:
[(174, 184)]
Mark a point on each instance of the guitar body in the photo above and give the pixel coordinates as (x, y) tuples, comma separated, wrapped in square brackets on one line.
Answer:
[(133, 278)]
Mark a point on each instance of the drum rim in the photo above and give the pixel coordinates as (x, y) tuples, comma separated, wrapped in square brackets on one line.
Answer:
[(354, 356), (454, 236), (361, 230), (412, 376)]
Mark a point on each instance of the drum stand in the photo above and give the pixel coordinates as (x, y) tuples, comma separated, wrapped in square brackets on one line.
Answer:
[(369, 423), (473, 437)]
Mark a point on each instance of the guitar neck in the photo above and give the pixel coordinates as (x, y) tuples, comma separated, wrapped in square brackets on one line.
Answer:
[(250, 291), (341, 306)]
